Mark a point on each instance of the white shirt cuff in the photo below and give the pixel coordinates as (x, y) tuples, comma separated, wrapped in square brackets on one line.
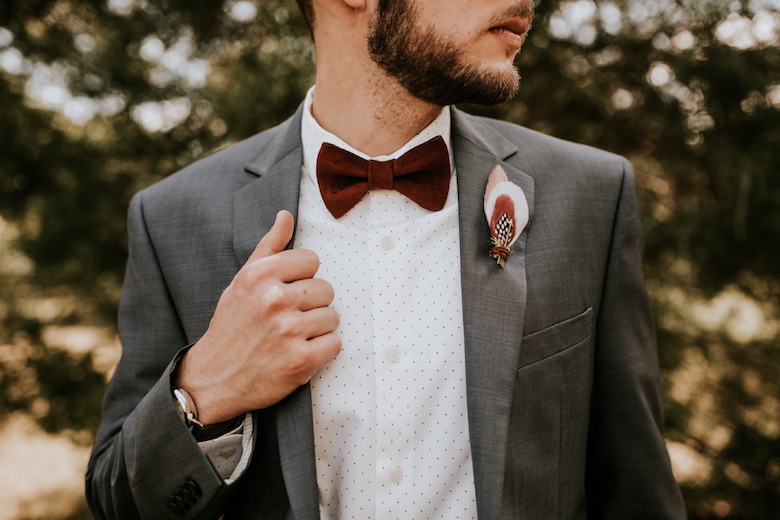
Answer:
[(230, 452)]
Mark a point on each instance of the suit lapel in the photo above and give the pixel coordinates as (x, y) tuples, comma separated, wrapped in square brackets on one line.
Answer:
[(494, 302), (278, 167), (278, 170)]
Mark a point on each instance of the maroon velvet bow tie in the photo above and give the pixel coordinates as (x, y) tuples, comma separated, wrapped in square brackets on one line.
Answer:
[(421, 174)]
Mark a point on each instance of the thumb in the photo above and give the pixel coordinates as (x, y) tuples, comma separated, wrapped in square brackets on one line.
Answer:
[(277, 238)]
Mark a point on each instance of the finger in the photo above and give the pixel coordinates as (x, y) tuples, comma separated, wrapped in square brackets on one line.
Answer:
[(319, 322), (277, 238), (312, 293), (324, 349), (290, 265)]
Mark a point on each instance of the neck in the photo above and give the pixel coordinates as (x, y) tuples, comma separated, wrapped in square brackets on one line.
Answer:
[(373, 113)]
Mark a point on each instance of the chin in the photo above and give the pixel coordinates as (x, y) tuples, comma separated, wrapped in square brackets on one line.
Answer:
[(504, 71)]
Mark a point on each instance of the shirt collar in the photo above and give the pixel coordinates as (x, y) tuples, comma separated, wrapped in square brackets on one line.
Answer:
[(313, 136)]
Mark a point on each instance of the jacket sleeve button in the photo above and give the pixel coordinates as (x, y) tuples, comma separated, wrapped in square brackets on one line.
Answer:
[(193, 487), (174, 506)]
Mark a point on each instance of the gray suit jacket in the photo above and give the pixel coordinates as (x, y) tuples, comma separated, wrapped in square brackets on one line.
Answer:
[(563, 386)]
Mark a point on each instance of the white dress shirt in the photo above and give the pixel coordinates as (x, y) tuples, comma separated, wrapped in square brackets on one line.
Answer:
[(390, 412)]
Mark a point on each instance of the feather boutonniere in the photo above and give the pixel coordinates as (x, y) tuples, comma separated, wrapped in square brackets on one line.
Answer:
[(506, 209)]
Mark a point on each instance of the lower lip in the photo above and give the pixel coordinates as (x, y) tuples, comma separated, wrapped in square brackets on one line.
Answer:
[(509, 38)]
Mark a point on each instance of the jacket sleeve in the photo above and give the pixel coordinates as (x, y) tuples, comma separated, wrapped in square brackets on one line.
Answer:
[(145, 463), (628, 469)]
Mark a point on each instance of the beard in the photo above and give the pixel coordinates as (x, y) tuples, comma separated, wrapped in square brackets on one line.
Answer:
[(430, 67)]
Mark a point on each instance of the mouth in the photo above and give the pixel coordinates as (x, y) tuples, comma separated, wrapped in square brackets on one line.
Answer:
[(518, 26), (512, 31)]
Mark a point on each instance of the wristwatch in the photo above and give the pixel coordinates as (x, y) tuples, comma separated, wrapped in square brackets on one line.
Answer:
[(186, 407)]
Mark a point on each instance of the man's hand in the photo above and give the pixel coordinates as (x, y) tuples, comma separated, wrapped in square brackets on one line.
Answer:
[(271, 331)]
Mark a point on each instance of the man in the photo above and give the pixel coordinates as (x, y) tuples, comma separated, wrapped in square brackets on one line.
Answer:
[(416, 377)]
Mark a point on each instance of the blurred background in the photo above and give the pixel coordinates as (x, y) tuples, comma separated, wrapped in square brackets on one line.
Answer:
[(99, 98)]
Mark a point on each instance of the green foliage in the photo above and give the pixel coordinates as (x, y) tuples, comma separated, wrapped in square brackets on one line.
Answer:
[(668, 83)]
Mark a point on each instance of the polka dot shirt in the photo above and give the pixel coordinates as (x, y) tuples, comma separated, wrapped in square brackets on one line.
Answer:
[(390, 414)]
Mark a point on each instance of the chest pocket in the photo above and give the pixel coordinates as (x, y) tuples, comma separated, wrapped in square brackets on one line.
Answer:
[(554, 339)]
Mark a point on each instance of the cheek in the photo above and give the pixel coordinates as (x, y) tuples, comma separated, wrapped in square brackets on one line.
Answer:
[(451, 19)]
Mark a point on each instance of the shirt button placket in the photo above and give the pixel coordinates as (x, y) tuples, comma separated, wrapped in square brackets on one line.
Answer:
[(385, 317)]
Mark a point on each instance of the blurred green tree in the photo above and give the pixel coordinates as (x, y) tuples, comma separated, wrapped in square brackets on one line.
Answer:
[(101, 98)]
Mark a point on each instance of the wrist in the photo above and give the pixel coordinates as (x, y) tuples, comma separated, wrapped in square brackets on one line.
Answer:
[(189, 413), (198, 398)]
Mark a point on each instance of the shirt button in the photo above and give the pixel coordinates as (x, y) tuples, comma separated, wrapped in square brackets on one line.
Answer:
[(392, 354), (387, 243), (396, 475)]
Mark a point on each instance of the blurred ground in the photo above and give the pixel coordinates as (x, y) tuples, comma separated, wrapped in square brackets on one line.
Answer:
[(41, 475)]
